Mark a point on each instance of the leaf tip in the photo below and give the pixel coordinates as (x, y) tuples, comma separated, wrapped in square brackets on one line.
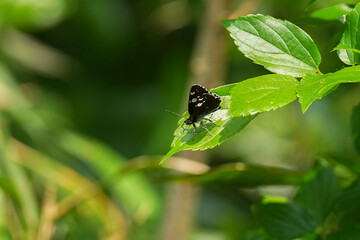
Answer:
[(165, 157), (170, 153), (227, 22), (304, 106)]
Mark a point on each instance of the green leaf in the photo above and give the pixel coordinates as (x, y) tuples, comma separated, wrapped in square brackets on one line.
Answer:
[(351, 37), (222, 127), (331, 13), (349, 197), (284, 221), (223, 90), (313, 87), (260, 94), (355, 125), (226, 126), (345, 47), (280, 46), (318, 195)]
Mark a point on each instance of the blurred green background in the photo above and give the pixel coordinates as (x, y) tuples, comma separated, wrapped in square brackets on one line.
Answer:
[(84, 85)]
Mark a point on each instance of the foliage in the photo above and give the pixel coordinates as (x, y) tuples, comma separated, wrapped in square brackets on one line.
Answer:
[(321, 209), (83, 88), (318, 207), (351, 37), (282, 48)]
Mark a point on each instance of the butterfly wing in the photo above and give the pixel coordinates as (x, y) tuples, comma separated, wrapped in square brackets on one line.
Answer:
[(208, 103), (195, 92), (202, 102)]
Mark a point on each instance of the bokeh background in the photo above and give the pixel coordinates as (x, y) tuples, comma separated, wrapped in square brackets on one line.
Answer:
[(84, 85)]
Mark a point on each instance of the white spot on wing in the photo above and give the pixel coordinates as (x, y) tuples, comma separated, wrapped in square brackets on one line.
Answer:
[(199, 104), (194, 100)]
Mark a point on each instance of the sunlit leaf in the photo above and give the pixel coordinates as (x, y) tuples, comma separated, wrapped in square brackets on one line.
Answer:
[(222, 127), (314, 87), (279, 46), (260, 94), (223, 90), (226, 126), (351, 37), (284, 221)]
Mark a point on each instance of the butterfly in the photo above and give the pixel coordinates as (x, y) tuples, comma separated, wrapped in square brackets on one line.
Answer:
[(201, 103)]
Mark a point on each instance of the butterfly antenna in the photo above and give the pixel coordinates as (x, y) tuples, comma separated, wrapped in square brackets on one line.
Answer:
[(179, 116), (174, 113)]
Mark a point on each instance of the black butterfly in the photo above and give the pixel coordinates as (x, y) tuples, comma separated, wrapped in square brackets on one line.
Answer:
[(201, 103)]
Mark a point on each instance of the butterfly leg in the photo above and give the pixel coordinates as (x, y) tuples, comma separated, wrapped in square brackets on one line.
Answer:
[(208, 119), (182, 126), (194, 129), (202, 126)]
